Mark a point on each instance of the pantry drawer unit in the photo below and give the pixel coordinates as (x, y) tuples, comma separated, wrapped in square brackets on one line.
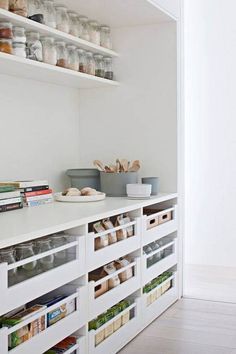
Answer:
[(111, 297), (32, 288), (52, 335), (97, 258), (154, 270), (165, 222)]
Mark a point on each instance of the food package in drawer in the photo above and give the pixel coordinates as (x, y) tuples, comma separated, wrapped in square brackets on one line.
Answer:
[(128, 273), (165, 217), (166, 286), (95, 325), (63, 346), (109, 329), (28, 331), (96, 275), (151, 222)]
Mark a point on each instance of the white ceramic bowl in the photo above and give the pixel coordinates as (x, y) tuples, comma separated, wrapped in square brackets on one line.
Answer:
[(139, 190)]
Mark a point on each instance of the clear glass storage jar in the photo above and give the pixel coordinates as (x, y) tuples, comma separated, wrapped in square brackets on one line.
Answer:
[(19, 35), (41, 246), (82, 61), (108, 71), (4, 4), (19, 49), (57, 241), (84, 27), (73, 23), (49, 50), (62, 55), (7, 255), (6, 46), (34, 49), (99, 65), (6, 30), (19, 7), (62, 19), (73, 58), (49, 13), (36, 10), (24, 251), (94, 32), (105, 33), (90, 64)]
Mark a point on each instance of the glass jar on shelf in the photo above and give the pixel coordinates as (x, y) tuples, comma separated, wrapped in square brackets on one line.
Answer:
[(19, 34), (73, 23), (94, 32), (34, 49), (59, 240), (62, 55), (24, 251), (105, 33), (19, 49), (84, 26), (62, 19), (45, 263), (99, 65), (108, 71), (6, 46), (73, 58), (7, 255), (36, 10), (49, 13), (4, 4), (19, 7), (49, 50), (82, 61), (6, 30), (90, 64)]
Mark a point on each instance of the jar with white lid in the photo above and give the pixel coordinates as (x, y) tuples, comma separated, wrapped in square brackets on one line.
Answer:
[(4, 4), (73, 58), (108, 71), (105, 33), (84, 25), (19, 7), (19, 49), (73, 23), (90, 64), (45, 263), (34, 49), (49, 50), (36, 10), (7, 255), (62, 19), (62, 54), (19, 35), (49, 13), (94, 32), (23, 251), (99, 65), (82, 61), (6, 30)]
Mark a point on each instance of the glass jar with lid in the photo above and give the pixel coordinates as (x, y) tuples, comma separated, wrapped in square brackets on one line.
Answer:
[(24, 251), (49, 50), (84, 27), (6, 46), (82, 61), (73, 23), (49, 13), (4, 4), (62, 55), (62, 19), (99, 65), (19, 34), (57, 241), (73, 58), (41, 246), (19, 49), (108, 71), (90, 64), (7, 255), (94, 32), (19, 7), (105, 33), (36, 10), (6, 30), (34, 49)]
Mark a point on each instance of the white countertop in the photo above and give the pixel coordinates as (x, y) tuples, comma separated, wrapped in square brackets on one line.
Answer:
[(30, 223)]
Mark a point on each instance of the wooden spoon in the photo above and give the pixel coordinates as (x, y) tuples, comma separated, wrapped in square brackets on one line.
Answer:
[(99, 165), (124, 164), (135, 166)]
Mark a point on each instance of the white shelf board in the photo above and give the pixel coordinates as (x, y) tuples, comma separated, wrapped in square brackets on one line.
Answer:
[(34, 70), (31, 223), (30, 25)]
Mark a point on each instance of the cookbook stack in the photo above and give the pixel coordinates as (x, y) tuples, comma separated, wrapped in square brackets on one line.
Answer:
[(34, 193), (10, 199)]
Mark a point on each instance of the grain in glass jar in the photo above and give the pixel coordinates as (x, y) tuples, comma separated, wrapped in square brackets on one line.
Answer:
[(19, 35), (49, 13), (34, 49), (6, 46), (73, 23), (94, 32), (105, 33), (19, 7), (84, 27), (49, 50), (62, 55), (82, 61), (36, 10), (73, 58), (99, 65), (108, 71), (6, 30), (62, 19), (19, 49), (90, 64), (4, 4)]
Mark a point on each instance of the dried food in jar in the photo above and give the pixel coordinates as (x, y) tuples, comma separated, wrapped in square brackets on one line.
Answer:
[(49, 13), (99, 65), (6, 46), (94, 32), (34, 50), (6, 30), (73, 23), (19, 34), (19, 49), (84, 28), (4, 4), (108, 72), (49, 50), (62, 59), (90, 69), (82, 61), (73, 58), (105, 35), (62, 19), (19, 7)]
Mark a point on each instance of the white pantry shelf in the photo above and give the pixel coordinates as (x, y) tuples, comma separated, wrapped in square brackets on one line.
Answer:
[(44, 30), (34, 70)]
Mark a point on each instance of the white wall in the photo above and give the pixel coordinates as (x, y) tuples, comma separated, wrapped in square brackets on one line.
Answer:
[(210, 76), (39, 130)]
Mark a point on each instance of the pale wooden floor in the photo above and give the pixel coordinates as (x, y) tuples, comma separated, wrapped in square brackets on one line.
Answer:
[(189, 327)]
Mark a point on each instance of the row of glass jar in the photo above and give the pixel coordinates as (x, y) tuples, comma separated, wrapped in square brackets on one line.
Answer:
[(57, 16), (25, 250)]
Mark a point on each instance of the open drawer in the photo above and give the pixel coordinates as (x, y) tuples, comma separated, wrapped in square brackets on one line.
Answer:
[(121, 336), (113, 296), (160, 224), (96, 258), (44, 282), (150, 271), (51, 335)]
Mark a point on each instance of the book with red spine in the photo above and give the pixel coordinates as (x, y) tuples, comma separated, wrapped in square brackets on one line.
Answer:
[(36, 193)]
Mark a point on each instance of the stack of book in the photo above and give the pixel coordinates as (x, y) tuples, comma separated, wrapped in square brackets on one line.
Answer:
[(34, 193), (10, 199)]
